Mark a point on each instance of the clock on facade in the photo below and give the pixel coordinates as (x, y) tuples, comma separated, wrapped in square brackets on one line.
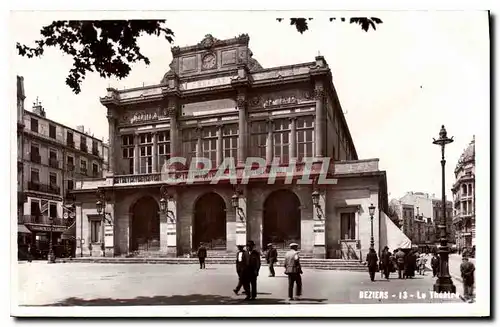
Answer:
[(208, 61)]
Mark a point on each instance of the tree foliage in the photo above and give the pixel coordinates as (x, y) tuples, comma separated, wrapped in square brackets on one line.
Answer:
[(108, 47), (301, 24)]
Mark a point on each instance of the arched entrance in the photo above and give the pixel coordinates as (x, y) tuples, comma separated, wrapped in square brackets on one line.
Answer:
[(209, 224), (281, 219), (145, 225)]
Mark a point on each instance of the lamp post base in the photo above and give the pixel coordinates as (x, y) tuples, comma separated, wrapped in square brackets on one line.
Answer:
[(444, 285)]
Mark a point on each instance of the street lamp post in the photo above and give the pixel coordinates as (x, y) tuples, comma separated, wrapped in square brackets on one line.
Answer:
[(51, 256), (443, 282), (371, 210), (100, 204)]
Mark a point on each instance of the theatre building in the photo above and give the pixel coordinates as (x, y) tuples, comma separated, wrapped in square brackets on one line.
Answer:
[(218, 102)]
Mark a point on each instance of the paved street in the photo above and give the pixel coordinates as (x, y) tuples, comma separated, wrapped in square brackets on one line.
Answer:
[(136, 284)]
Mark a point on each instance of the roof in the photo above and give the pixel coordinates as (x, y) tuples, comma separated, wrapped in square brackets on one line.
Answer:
[(469, 154)]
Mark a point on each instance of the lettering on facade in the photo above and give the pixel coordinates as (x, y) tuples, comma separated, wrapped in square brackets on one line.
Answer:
[(137, 179), (206, 83), (46, 229), (144, 116)]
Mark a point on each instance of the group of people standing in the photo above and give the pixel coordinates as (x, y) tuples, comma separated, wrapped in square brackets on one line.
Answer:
[(406, 264)]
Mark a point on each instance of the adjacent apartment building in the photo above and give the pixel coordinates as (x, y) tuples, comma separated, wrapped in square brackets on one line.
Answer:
[(419, 213), (51, 158), (218, 102), (464, 198)]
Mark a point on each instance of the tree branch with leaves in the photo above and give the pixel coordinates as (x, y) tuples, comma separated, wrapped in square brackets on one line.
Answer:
[(302, 25)]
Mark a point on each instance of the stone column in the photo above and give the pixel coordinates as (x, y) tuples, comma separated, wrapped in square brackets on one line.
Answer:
[(293, 137), (231, 226), (168, 229), (174, 128), (242, 129), (269, 142), (319, 96), (220, 153), (112, 143), (136, 154), (155, 152)]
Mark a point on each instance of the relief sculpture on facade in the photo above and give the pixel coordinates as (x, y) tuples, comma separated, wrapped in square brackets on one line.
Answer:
[(280, 100)]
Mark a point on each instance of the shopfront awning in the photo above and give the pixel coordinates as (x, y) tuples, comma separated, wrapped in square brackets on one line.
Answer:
[(69, 234), (23, 229), (394, 238)]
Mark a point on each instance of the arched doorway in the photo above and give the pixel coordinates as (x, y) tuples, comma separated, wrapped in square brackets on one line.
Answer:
[(281, 219), (145, 225), (209, 224)]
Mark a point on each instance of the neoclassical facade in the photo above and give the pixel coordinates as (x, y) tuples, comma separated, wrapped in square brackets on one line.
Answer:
[(464, 198), (218, 102)]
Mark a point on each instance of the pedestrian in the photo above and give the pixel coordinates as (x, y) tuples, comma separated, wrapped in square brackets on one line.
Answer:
[(400, 261), (202, 254), (30, 256), (421, 264), (411, 264), (251, 271), (434, 264), (467, 269), (240, 267), (294, 271), (271, 258), (385, 259), (372, 260)]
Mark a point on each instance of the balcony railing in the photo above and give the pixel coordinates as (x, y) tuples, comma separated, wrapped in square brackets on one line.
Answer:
[(44, 220), (95, 152), (39, 187), (70, 143), (54, 163), (83, 171), (70, 167), (84, 148), (35, 157)]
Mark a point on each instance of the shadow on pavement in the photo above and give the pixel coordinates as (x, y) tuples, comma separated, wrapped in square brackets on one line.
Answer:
[(192, 299)]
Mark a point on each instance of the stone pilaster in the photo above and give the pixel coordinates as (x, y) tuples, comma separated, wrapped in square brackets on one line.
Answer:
[(269, 142), (319, 96), (231, 222), (136, 154), (155, 152), (220, 153), (174, 128), (242, 128), (112, 122), (293, 137)]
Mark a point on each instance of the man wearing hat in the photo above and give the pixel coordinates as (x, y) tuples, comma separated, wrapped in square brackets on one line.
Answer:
[(251, 271), (467, 269), (271, 258), (293, 270), (202, 254), (241, 260)]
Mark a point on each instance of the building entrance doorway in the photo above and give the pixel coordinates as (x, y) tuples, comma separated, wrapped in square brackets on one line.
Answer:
[(145, 225), (281, 220), (209, 225)]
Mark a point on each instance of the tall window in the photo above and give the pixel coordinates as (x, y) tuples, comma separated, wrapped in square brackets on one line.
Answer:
[(348, 226), (258, 138), (95, 148), (95, 169), (53, 179), (69, 139), (35, 153), (35, 208), (71, 184), (52, 131), (95, 231), (230, 141), (305, 137), (83, 167), (145, 153), (189, 140), (128, 153), (209, 144), (281, 136), (83, 143), (163, 148), (34, 125), (35, 175), (53, 210), (71, 163)]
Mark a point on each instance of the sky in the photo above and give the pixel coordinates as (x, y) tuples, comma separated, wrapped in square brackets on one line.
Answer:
[(397, 85)]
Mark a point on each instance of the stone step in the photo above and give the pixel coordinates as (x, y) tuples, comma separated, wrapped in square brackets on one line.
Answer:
[(326, 264)]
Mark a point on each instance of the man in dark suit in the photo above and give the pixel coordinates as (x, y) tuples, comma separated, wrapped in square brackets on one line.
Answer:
[(202, 254), (251, 271), (240, 267), (372, 262), (271, 258)]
